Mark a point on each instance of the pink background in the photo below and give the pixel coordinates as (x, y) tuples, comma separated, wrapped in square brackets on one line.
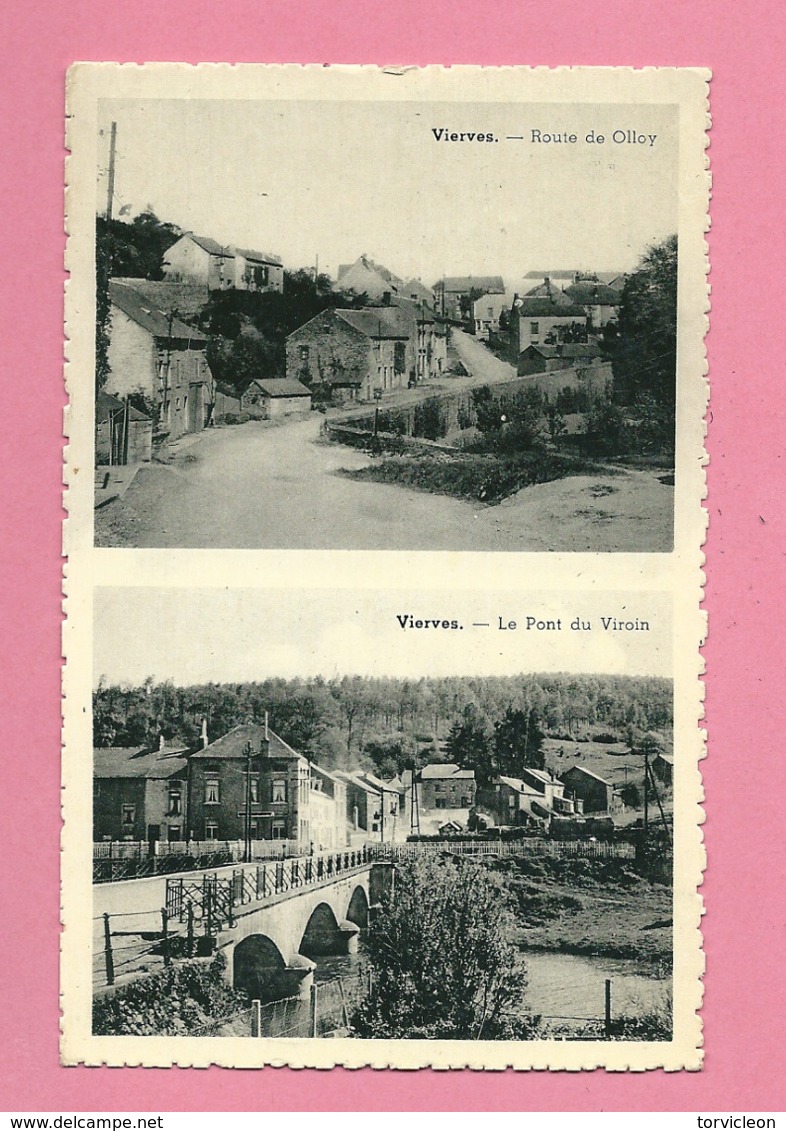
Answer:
[(745, 774)]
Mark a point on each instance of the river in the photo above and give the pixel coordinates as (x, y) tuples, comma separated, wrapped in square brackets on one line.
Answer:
[(559, 985)]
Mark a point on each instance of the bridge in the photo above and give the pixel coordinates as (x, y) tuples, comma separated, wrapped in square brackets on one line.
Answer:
[(271, 920)]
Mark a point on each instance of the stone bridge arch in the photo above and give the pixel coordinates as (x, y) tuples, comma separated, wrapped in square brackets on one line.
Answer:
[(292, 929)]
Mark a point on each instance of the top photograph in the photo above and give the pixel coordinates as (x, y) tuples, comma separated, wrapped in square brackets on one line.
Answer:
[(360, 324)]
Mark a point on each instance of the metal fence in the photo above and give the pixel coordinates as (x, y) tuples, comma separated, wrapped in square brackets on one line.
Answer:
[(327, 1012), (530, 846)]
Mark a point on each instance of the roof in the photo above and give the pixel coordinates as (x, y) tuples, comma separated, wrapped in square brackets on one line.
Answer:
[(233, 744), (666, 758), (567, 350), (588, 773), (147, 314), (281, 387), (133, 762), (378, 321), (588, 292), (353, 779), (376, 782), (441, 770), (370, 265), (414, 289), (539, 775), (551, 275), (518, 785), (491, 284), (415, 309), (107, 405), (259, 256), (210, 246), (537, 307)]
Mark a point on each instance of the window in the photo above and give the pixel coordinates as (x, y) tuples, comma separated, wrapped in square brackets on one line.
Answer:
[(253, 830), (128, 813), (173, 833), (279, 791), (399, 356), (175, 801), (253, 789), (279, 830), (211, 830), (211, 791), (534, 328), (304, 353)]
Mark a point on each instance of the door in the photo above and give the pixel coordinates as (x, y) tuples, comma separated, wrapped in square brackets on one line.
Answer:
[(196, 407)]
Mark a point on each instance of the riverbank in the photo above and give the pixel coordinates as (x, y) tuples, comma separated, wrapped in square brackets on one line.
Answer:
[(598, 908)]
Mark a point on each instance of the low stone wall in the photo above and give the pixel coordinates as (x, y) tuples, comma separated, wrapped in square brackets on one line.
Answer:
[(450, 410)]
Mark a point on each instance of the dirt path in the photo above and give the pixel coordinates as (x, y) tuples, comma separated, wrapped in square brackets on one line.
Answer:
[(253, 487)]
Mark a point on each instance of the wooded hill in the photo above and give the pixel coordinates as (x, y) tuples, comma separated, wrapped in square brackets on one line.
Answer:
[(380, 723)]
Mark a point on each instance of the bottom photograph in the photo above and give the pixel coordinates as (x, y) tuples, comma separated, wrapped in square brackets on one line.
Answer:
[(363, 818)]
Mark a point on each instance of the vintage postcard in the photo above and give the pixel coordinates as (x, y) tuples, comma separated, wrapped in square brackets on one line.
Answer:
[(382, 687)]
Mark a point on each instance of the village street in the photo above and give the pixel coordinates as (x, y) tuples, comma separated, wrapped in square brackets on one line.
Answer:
[(252, 486)]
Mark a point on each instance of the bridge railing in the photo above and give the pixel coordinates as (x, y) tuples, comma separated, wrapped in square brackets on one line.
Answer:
[(526, 847), (213, 900)]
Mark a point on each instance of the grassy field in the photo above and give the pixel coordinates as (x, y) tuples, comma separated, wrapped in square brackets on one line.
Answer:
[(591, 907)]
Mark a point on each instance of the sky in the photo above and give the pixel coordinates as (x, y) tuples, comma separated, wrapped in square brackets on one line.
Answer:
[(334, 180), (222, 635)]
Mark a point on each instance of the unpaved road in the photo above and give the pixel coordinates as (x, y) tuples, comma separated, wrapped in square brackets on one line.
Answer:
[(253, 487)]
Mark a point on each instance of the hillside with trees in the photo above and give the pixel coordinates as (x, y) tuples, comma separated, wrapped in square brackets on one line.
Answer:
[(490, 724)]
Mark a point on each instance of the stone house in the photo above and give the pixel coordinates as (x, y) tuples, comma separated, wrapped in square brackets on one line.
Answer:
[(123, 434), (534, 321), (487, 312), (453, 294), (562, 355), (270, 398), (510, 801), (662, 766), (601, 302), (153, 353), (252, 774), (354, 351), (363, 802), (428, 335), (217, 267), (140, 794), (444, 785), (595, 792), (364, 276)]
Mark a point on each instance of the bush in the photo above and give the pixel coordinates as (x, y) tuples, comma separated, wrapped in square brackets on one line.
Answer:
[(482, 478), (176, 1002), (236, 418)]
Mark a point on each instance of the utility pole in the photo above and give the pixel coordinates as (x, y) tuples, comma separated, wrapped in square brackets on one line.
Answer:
[(110, 192), (247, 827), (414, 807)]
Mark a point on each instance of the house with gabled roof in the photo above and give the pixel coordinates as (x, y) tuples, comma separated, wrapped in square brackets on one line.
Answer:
[(250, 778), (140, 794), (154, 353), (454, 295), (364, 276), (268, 398), (355, 352), (536, 320), (595, 792), (218, 267)]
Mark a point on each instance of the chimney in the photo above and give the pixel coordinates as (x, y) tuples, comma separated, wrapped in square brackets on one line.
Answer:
[(386, 298), (205, 740), (267, 731)]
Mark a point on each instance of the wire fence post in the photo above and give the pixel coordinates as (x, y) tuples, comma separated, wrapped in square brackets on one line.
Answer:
[(165, 936), (607, 1019), (313, 1011), (256, 1018), (190, 929), (110, 962)]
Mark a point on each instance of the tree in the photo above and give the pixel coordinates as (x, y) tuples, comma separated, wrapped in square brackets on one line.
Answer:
[(643, 348), (518, 742), (469, 743), (444, 964)]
